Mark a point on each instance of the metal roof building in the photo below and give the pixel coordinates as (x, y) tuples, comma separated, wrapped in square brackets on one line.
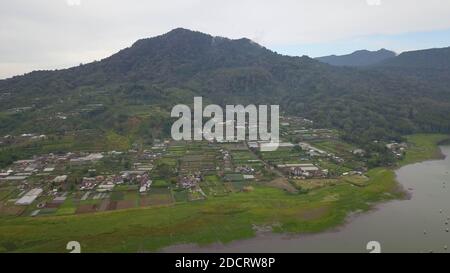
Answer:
[(29, 197)]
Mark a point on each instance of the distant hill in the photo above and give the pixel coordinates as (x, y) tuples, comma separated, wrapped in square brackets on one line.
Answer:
[(359, 58), (436, 58)]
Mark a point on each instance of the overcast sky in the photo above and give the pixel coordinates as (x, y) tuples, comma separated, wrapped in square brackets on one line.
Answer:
[(49, 34)]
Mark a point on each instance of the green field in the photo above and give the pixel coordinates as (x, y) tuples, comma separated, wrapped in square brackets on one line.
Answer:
[(282, 156), (67, 208), (334, 146), (215, 219), (423, 147)]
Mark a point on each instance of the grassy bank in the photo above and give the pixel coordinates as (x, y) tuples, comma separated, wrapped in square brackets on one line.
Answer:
[(217, 219), (423, 147)]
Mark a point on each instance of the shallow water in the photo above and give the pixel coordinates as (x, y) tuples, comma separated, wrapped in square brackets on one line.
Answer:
[(415, 225)]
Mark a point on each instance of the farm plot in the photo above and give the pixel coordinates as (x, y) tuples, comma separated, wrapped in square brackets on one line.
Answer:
[(239, 186), (195, 195), (11, 210), (335, 146), (157, 196), (199, 158), (283, 156), (234, 182), (67, 208), (47, 211), (177, 150), (8, 192), (357, 180), (160, 183), (212, 186), (235, 147), (86, 208), (126, 204), (312, 184), (246, 158), (233, 187), (180, 195)]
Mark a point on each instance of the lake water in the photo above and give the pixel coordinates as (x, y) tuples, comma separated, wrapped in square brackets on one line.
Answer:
[(414, 225)]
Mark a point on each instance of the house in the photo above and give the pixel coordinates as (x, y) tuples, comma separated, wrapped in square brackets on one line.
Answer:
[(359, 152), (397, 146), (310, 150), (24, 162), (15, 178), (245, 170), (253, 145), (143, 167), (145, 184), (282, 166), (4, 174), (39, 137), (274, 145), (190, 181), (86, 159), (31, 168), (107, 186), (29, 197), (143, 189), (60, 179), (304, 170), (88, 183)]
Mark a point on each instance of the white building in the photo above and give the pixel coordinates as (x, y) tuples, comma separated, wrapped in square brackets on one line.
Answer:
[(29, 197), (60, 179)]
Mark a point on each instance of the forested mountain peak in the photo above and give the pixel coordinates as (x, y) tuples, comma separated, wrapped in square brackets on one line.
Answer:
[(157, 73)]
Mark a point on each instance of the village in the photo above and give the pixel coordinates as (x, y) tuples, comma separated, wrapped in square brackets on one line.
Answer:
[(171, 172)]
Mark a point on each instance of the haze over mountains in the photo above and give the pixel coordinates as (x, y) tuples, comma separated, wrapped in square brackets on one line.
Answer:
[(132, 91)]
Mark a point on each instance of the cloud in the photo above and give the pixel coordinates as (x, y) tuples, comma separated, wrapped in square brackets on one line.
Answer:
[(62, 33)]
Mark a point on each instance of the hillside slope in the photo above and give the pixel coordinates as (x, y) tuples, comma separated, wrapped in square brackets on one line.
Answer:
[(132, 91)]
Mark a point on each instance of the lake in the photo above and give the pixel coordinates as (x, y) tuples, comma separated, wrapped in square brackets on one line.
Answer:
[(419, 224)]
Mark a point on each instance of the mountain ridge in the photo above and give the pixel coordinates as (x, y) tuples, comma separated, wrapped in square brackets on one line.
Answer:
[(433, 58), (359, 58)]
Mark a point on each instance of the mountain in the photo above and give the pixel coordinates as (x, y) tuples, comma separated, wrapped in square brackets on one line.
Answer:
[(128, 96), (359, 58), (435, 59)]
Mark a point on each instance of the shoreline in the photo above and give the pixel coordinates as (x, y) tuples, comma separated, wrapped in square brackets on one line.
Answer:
[(349, 219)]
